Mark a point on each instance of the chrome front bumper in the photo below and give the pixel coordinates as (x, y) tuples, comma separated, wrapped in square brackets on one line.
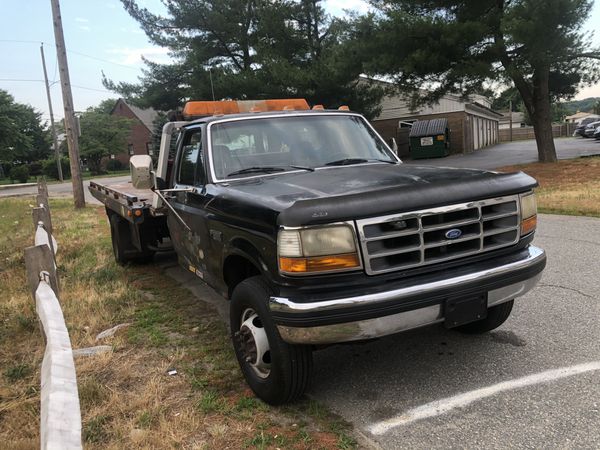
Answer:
[(394, 323)]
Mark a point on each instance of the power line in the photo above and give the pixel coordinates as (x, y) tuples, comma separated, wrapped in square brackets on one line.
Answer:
[(102, 60), (73, 52), (20, 79), (41, 81), (91, 89)]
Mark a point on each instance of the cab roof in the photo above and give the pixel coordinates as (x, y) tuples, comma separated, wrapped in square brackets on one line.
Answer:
[(310, 112)]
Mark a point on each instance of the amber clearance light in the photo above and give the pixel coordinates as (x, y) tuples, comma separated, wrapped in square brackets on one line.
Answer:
[(318, 263)]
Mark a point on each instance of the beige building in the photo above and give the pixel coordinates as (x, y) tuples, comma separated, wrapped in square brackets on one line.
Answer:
[(473, 124)]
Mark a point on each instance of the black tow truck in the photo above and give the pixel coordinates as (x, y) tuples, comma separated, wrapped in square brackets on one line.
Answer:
[(317, 234)]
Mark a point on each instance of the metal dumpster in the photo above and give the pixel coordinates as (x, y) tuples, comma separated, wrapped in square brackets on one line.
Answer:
[(429, 139)]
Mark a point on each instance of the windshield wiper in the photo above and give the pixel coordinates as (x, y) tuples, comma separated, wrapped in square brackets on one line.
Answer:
[(349, 161), (310, 169), (267, 169), (256, 169)]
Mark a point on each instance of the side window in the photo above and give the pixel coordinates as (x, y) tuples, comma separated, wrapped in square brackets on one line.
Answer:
[(190, 166)]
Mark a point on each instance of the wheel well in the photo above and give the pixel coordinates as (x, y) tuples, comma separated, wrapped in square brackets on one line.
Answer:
[(236, 269)]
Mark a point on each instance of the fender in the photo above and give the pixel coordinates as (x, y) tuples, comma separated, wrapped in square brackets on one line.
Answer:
[(241, 247)]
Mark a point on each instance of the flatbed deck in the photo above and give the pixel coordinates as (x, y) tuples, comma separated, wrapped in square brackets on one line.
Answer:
[(125, 199)]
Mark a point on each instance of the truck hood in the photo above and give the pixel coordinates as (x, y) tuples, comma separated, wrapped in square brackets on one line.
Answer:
[(353, 192)]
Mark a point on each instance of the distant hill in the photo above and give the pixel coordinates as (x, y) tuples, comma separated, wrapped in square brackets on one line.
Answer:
[(585, 105)]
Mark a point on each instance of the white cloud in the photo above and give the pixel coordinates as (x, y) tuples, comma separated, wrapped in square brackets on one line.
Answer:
[(111, 6), (131, 30), (133, 56), (339, 7), (81, 20), (84, 28)]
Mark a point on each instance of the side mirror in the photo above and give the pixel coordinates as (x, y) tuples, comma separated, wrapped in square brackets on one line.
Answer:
[(395, 146), (141, 168)]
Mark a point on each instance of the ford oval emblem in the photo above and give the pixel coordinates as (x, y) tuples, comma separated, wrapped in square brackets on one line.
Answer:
[(454, 233)]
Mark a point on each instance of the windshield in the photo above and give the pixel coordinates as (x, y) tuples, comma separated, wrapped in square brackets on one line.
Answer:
[(258, 146)]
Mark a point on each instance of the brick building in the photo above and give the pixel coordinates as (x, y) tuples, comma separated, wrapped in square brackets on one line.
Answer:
[(472, 123), (139, 141)]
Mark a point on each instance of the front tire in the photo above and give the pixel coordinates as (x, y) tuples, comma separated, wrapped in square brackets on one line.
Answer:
[(276, 371), (496, 316)]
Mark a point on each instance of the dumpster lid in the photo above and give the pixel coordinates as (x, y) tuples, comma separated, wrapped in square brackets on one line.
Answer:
[(431, 127)]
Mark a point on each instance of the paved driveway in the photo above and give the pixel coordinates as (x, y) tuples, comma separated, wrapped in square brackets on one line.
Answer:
[(517, 152)]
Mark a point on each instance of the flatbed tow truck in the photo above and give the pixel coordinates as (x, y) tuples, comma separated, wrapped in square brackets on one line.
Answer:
[(308, 223)]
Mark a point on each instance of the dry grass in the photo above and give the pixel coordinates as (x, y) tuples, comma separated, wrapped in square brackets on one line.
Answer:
[(127, 398), (566, 187)]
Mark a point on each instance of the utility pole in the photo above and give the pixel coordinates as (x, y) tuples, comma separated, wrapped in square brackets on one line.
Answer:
[(54, 136), (70, 126)]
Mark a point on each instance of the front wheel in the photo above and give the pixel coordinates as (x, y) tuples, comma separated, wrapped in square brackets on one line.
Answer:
[(276, 371), (496, 316)]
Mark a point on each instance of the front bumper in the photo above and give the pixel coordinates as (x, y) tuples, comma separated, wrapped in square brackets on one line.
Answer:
[(417, 303)]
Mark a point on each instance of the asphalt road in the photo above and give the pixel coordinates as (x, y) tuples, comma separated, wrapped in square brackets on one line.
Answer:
[(554, 326), (64, 189), (516, 152)]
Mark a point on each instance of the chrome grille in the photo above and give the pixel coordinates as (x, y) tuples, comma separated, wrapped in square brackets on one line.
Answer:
[(418, 238)]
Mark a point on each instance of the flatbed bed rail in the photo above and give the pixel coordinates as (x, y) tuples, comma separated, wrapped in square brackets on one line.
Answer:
[(130, 203)]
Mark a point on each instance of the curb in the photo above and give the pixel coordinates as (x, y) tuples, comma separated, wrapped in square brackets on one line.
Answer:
[(14, 186)]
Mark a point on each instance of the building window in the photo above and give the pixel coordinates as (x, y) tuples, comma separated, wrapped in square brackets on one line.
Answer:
[(130, 149)]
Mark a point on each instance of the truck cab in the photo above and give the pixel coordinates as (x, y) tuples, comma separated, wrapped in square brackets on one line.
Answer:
[(316, 233)]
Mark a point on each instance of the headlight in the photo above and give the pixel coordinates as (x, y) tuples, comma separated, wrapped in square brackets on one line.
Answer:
[(319, 249), (528, 213)]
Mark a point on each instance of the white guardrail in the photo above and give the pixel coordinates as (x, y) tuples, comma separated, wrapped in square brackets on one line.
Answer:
[(60, 424)]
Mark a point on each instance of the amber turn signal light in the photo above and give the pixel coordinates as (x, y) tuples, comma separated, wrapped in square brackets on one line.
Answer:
[(319, 263), (528, 225)]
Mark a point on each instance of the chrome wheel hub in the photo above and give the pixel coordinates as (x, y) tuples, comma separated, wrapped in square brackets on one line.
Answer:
[(254, 343)]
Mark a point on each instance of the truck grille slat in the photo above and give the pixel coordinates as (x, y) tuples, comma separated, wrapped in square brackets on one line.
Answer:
[(419, 238)]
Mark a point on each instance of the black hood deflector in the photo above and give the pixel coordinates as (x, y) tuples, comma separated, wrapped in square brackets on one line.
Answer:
[(404, 198)]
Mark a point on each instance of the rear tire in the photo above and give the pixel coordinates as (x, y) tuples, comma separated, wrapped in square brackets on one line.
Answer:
[(280, 372), (496, 316)]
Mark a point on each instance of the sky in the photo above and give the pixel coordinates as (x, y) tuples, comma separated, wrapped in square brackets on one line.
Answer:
[(101, 37)]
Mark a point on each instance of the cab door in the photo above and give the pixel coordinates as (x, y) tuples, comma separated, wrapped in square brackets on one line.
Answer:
[(188, 227)]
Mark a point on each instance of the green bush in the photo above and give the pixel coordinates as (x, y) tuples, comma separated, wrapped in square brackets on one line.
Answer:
[(50, 169), (112, 165), (20, 174), (35, 168)]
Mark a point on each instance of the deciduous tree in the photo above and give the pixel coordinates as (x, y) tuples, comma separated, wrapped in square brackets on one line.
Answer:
[(23, 136), (102, 134)]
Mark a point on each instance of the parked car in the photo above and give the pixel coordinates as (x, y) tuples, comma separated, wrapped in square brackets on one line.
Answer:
[(597, 133), (580, 129), (590, 128)]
